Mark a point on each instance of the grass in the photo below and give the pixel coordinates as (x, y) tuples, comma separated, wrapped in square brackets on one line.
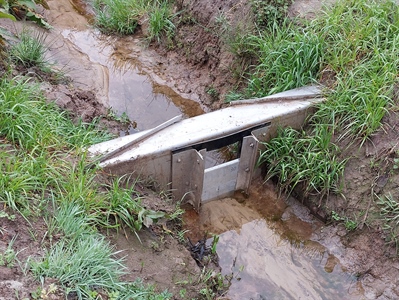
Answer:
[(119, 16), (287, 58), (81, 264), (22, 107), (307, 162), (30, 49), (123, 16), (355, 41), (161, 22), (389, 214), (43, 173)]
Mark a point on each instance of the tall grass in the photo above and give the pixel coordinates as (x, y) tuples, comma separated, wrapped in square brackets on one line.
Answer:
[(123, 16), (43, 174), (356, 41), (82, 265), (310, 163), (362, 38), (160, 21), (22, 111), (287, 58), (119, 16)]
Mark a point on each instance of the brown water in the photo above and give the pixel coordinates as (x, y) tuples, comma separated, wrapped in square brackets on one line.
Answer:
[(130, 91), (269, 248), (111, 66)]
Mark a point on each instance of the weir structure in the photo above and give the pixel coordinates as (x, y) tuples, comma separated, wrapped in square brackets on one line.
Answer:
[(176, 153)]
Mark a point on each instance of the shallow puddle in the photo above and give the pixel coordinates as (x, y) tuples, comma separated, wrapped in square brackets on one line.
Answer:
[(130, 91), (273, 255), (111, 67)]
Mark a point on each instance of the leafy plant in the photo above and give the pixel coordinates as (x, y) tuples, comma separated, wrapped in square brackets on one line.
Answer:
[(270, 11), (23, 9), (160, 21)]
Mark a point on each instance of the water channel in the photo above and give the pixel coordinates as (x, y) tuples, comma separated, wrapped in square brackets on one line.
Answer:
[(268, 245)]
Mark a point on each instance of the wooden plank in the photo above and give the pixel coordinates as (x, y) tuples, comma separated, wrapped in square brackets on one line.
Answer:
[(249, 152), (187, 177), (220, 181)]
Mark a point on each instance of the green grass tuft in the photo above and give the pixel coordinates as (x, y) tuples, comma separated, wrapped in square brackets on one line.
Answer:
[(119, 16)]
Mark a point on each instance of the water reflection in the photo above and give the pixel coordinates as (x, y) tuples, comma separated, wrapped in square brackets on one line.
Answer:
[(129, 90), (275, 259), (265, 266)]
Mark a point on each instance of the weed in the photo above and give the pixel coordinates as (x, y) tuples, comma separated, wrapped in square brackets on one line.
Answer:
[(389, 214), (123, 118), (11, 8), (212, 92), (43, 293), (270, 11), (349, 224), (119, 16), (214, 244), (181, 236), (30, 50), (183, 293), (161, 22), (81, 265), (9, 256), (215, 284)]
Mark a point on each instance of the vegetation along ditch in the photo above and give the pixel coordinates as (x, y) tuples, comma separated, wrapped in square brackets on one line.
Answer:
[(61, 221)]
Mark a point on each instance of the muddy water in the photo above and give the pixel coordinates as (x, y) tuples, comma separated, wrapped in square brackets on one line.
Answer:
[(268, 247), (111, 66)]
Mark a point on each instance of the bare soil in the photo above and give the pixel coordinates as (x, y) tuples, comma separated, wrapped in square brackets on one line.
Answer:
[(200, 62)]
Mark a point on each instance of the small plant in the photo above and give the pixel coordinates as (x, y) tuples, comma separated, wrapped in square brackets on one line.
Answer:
[(349, 224), (23, 9), (161, 22), (214, 244), (269, 11), (123, 118), (212, 92), (44, 293), (9, 256), (215, 284), (119, 16), (30, 50)]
